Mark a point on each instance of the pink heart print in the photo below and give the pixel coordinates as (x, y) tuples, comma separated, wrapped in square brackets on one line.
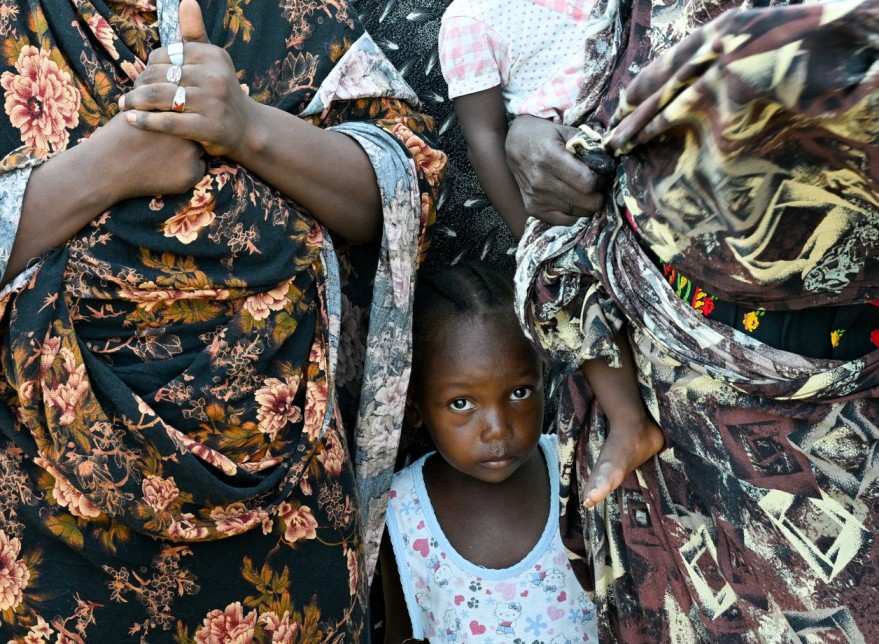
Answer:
[(420, 525), (507, 590), (555, 613), (562, 596), (476, 628), (421, 547), (458, 599)]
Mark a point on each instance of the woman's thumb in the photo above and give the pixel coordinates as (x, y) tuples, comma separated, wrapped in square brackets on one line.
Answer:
[(191, 22)]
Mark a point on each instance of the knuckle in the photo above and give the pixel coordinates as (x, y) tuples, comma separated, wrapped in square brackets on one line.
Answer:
[(167, 123), (154, 93), (148, 75)]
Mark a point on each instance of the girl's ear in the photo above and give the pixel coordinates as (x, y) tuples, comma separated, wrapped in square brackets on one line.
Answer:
[(411, 414)]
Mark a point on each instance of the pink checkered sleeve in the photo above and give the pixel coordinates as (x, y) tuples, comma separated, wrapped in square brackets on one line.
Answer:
[(468, 51)]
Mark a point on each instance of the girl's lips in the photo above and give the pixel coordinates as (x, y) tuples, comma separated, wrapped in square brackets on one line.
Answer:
[(496, 463)]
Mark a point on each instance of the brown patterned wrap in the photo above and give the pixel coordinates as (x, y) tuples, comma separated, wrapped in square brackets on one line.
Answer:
[(756, 523)]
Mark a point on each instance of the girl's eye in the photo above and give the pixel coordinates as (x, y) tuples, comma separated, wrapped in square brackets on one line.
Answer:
[(461, 404), (521, 393)]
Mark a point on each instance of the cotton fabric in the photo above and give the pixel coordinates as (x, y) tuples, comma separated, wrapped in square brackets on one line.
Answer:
[(533, 49), (757, 522), (447, 595), (181, 380)]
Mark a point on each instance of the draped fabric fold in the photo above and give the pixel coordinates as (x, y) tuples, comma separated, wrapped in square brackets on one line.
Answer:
[(180, 379), (757, 522)]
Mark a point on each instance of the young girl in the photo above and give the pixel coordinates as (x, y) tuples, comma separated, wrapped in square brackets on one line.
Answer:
[(514, 57), (474, 552)]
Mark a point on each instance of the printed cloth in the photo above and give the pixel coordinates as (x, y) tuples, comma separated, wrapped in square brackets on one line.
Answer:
[(834, 332), (757, 522), (448, 597), (533, 49), (181, 380)]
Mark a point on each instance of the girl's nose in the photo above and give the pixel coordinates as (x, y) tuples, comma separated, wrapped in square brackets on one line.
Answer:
[(497, 424)]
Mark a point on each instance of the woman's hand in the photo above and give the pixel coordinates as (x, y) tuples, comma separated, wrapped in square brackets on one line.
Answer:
[(325, 172), (137, 163), (115, 163), (216, 112), (556, 187)]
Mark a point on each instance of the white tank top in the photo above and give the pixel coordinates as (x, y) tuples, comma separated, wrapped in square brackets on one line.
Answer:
[(450, 599)]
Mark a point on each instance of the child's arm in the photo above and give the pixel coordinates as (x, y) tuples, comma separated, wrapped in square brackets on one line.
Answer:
[(484, 124), (633, 435), (397, 626)]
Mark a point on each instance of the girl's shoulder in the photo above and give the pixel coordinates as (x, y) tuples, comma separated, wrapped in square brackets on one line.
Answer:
[(406, 482)]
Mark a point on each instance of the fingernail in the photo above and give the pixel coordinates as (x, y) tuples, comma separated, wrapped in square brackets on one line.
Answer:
[(131, 117), (122, 103)]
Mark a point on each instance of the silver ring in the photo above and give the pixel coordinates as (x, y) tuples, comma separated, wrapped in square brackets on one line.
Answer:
[(175, 53), (174, 74), (179, 102)]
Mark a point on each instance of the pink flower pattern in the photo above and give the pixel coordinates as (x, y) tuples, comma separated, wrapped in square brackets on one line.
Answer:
[(229, 626), (14, 574), (300, 522), (41, 100), (277, 407)]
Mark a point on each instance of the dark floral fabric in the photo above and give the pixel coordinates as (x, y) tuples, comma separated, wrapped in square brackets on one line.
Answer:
[(180, 381), (757, 522), (468, 226)]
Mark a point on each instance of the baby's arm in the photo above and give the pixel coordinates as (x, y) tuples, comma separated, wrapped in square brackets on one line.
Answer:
[(633, 436), (398, 629), (484, 124)]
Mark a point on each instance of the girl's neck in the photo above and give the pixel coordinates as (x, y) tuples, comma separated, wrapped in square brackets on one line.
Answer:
[(449, 481), (494, 525)]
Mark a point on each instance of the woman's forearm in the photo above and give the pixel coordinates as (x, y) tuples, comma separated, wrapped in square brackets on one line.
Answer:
[(72, 188), (326, 172), (63, 194)]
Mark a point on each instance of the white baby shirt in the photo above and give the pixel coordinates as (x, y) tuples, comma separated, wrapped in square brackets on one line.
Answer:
[(534, 49), (450, 599)]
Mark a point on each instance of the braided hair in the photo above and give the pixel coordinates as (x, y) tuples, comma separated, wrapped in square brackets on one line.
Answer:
[(457, 290)]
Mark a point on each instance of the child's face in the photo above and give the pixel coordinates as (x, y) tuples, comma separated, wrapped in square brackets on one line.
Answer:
[(481, 397)]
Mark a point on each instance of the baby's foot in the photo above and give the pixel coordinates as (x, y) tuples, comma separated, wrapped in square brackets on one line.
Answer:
[(627, 446)]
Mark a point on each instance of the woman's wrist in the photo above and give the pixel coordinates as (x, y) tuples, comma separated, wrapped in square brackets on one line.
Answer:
[(253, 147)]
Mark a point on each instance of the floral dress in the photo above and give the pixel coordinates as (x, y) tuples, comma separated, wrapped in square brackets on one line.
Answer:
[(196, 444)]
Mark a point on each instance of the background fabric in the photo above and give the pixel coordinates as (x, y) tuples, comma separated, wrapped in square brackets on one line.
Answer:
[(168, 386), (467, 225), (757, 522)]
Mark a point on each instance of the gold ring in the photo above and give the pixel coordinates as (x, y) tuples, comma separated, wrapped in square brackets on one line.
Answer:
[(179, 102)]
